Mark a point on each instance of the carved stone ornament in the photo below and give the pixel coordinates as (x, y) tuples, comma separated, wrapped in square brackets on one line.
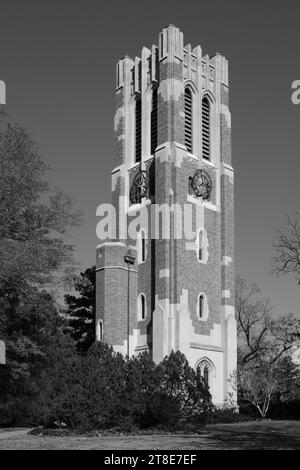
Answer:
[(139, 187), (202, 184)]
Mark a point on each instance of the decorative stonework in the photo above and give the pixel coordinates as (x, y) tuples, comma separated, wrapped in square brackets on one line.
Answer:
[(202, 184), (139, 187)]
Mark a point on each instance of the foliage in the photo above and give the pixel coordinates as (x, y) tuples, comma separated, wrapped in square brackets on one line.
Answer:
[(31, 328), (86, 397), (263, 384), (187, 389), (110, 391), (81, 310), (33, 218), (225, 415), (288, 374), (34, 256)]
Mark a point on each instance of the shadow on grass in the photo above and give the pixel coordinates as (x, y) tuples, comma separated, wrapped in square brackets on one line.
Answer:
[(257, 435)]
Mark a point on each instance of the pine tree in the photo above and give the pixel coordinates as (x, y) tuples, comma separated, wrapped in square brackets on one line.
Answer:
[(81, 310)]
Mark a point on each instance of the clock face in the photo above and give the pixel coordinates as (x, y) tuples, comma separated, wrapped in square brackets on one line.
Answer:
[(139, 187), (202, 184)]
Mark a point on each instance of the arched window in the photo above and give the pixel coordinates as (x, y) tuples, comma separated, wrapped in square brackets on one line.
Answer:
[(138, 129), (142, 309), (154, 121), (188, 122), (202, 307), (99, 330), (206, 128)]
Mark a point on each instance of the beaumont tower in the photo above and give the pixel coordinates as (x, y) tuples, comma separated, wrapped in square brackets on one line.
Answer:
[(172, 129)]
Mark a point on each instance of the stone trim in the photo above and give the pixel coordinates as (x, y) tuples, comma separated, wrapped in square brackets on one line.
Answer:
[(142, 348), (206, 347), (117, 267)]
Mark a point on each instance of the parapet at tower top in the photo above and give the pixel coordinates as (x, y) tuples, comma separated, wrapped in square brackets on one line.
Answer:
[(149, 65), (172, 35)]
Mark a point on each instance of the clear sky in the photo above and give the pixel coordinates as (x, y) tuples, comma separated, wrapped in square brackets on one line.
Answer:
[(58, 60)]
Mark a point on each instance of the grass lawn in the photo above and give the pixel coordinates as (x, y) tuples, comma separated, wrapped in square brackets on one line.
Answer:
[(247, 435)]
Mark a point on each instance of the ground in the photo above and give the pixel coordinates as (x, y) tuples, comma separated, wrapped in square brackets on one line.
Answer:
[(250, 435)]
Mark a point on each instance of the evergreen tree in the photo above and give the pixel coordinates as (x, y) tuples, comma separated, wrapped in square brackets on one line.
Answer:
[(81, 310)]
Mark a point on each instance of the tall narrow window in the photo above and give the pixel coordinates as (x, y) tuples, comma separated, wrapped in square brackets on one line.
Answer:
[(143, 254), (142, 307), (206, 375), (99, 331), (154, 121), (201, 246), (201, 306), (206, 128), (205, 370), (188, 123), (141, 246), (138, 130)]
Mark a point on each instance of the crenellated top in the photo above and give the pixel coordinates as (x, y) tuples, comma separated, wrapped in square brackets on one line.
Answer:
[(145, 69)]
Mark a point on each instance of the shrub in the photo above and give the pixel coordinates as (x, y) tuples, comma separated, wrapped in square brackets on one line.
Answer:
[(105, 391), (187, 389), (89, 394)]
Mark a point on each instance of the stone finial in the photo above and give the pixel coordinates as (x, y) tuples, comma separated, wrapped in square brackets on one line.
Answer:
[(171, 42)]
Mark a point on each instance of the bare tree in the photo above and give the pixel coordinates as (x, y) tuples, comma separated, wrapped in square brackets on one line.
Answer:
[(260, 335), (287, 247), (263, 343), (253, 319), (258, 385)]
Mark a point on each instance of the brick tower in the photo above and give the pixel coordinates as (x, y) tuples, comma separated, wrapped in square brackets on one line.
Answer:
[(172, 169)]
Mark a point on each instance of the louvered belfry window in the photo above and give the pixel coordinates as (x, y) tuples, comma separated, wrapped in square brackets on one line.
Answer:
[(154, 121), (188, 129), (205, 128), (138, 130)]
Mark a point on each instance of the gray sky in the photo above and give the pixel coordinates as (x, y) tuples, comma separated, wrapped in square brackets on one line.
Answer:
[(58, 60)]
